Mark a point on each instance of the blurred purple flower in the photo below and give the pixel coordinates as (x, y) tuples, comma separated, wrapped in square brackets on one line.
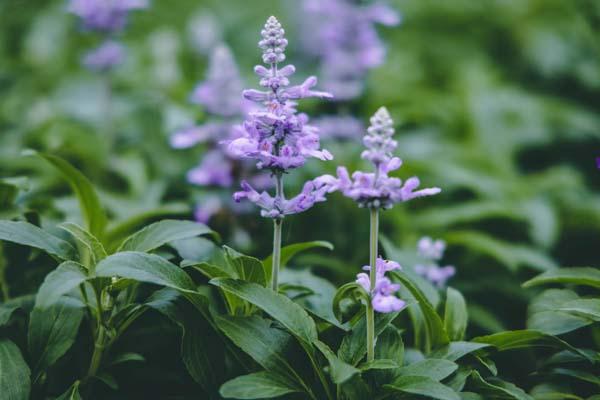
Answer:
[(105, 15), (383, 295), (210, 206), (433, 250), (220, 93), (377, 189), (214, 169), (339, 127), (278, 137), (342, 34), (105, 57)]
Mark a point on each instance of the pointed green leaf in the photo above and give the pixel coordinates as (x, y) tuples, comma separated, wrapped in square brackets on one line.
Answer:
[(66, 277), (160, 233), (289, 251), (455, 314), (91, 243), (339, 370), (436, 369), (584, 276), (455, 350), (30, 235), (422, 386), (15, 382), (497, 389), (71, 394), (259, 385)]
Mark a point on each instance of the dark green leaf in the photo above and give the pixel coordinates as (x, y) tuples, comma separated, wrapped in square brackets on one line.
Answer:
[(91, 243), (339, 370), (71, 394), (246, 268), (289, 251), (66, 277), (30, 235), (544, 314), (584, 276), (15, 380), (455, 350), (52, 332), (159, 233), (354, 345), (259, 385), (436, 369), (422, 386), (497, 389)]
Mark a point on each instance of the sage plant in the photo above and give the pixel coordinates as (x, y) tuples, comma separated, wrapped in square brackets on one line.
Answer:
[(279, 137), (377, 191), (433, 251)]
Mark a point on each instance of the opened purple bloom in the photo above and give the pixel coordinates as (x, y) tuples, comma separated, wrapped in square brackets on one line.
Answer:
[(105, 57), (105, 15), (377, 189), (214, 170), (383, 295)]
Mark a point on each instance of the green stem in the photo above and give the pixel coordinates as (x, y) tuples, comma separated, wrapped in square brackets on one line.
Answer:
[(374, 227), (277, 223), (98, 351)]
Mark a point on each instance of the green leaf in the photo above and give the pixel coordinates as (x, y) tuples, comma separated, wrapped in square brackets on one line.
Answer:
[(15, 380), (30, 235), (587, 308), (160, 233), (200, 348), (455, 350), (379, 364), (91, 208), (584, 376), (436, 369), (289, 251), (455, 314), (127, 357), (246, 268), (496, 388), (91, 243), (145, 267), (352, 290), (266, 344), (544, 313), (390, 345), (339, 371), (354, 345), (584, 276), (71, 394), (259, 385), (66, 277), (435, 328), (423, 386), (52, 332), (288, 313)]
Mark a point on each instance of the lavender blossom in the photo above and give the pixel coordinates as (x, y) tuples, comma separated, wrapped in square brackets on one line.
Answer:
[(105, 15), (108, 55), (339, 127), (342, 34), (383, 296), (219, 94), (377, 189), (278, 137), (433, 250)]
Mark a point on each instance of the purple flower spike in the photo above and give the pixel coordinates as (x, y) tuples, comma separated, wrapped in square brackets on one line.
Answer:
[(220, 92), (377, 189), (105, 15), (383, 295), (108, 55), (433, 250), (276, 135)]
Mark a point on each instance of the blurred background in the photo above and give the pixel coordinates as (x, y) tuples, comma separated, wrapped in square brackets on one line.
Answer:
[(495, 101)]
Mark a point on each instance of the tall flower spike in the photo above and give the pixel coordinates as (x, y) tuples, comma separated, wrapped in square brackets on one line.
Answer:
[(278, 137)]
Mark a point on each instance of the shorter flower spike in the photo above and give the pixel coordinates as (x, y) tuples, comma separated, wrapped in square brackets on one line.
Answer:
[(108, 55), (273, 42), (433, 250), (378, 141), (105, 15), (383, 296)]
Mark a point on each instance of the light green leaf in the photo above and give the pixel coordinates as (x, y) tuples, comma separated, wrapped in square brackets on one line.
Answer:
[(288, 313), (15, 380), (587, 308), (52, 332), (436, 369), (91, 243), (66, 277), (71, 394), (289, 251), (422, 386), (584, 276), (246, 268), (455, 314), (91, 208), (379, 364), (30, 235), (497, 388), (349, 290), (544, 314), (159, 233), (584, 376), (259, 385)]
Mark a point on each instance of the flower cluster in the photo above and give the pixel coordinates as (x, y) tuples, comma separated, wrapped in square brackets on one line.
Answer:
[(220, 95), (383, 295), (108, 17), (433, 250), (377, 189), (276, 135), (342, 34)]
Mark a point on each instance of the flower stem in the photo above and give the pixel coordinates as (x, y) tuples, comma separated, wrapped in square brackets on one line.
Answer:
[(277, 223), (374, 219)]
